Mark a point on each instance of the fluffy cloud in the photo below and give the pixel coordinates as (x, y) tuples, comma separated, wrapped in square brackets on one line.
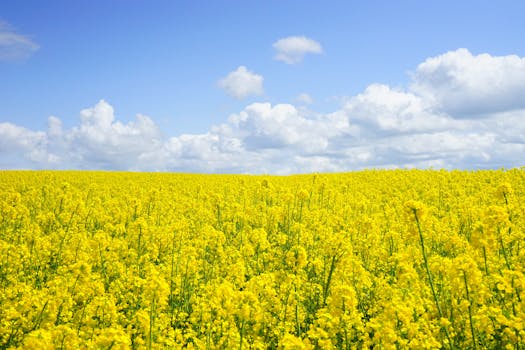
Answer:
[(382, 110), (465, 85), (14, 46), (18, 143), (98, 142), (263, 126), (381, 127), (242, 83), (292, 49), (102, 141)]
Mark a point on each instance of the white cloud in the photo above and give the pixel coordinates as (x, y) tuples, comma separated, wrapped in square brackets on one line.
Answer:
[(24, 148), (104, 142), (242, 83), (465, 85), (14, 46), (292, 49), (263, 126), (381, 127), (384, 110)]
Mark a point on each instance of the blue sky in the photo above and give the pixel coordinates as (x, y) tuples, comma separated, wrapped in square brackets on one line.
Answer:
[(165, 61)]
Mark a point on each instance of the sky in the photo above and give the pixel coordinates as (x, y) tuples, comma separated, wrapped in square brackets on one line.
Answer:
[(277, 87)]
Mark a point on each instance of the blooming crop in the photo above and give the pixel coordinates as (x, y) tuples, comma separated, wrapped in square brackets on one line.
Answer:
[(406, 259)]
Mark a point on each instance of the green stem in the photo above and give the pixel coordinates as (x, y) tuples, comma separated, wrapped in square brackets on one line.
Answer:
[(242, 335), (503, 250), (485, 259), (151, 322), (470, 311), (297, 324), (329, 279), (429, 274)]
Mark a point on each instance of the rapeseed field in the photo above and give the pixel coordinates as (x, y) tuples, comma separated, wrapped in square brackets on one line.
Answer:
[(405, 259)]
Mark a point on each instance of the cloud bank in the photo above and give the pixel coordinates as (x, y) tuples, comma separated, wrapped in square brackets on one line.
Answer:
[(460, 111)]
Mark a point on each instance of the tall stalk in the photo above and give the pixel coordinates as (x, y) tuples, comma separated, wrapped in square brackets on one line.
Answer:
[(470, 311), (429, 275)]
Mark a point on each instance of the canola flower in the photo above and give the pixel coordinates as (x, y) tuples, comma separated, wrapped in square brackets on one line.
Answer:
[(405, 259)]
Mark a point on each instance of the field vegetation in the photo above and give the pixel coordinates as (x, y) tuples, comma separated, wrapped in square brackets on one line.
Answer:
[(405, 259)]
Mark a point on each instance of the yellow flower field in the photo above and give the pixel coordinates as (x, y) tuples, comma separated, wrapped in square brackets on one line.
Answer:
[(384, 259)]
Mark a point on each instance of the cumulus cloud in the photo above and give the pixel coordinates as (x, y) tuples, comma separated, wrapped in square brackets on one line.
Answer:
[(381, 127), (16, 141), (242, 83), (383, 110), (263, 126), (14, 46), (98, 142), (292, 49), (103, 141), (464, 85)]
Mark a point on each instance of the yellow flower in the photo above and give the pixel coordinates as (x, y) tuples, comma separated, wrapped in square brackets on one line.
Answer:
[(129, 260), (296, 258), (303, 194), (291, 342), (416, 208), (505, 189)]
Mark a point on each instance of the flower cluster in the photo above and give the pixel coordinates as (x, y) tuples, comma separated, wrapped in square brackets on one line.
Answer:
[(406, 259)]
